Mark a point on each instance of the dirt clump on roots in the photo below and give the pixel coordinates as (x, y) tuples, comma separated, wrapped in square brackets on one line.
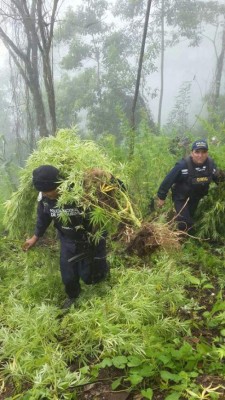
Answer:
[(152, 236), (103, 186)]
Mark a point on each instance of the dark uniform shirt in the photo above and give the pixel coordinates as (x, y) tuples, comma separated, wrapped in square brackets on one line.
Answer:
[(186, 183), (73, 226)]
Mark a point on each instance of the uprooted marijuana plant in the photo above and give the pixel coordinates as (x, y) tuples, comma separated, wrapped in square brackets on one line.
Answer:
[(86, 180)]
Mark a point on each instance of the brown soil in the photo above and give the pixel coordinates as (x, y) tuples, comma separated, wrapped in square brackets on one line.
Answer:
[(150, 237)]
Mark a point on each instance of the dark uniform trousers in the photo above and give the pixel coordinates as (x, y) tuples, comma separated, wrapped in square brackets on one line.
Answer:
[(185, 210), (92, 269)]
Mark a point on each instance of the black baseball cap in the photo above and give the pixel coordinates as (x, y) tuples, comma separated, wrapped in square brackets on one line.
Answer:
[(200, 145), (46, 178)]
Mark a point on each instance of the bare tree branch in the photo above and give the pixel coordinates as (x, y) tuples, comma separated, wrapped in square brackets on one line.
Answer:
[(36, 27)]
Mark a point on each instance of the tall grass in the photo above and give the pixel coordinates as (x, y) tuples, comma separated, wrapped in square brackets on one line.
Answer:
[(136, 312), (133, 313), (6, 188)]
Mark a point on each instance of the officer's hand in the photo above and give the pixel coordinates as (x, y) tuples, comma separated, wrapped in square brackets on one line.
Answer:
[(30, 243), (160, 203)]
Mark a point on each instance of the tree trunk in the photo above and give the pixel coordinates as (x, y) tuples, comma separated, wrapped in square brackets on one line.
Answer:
[(29, 120), (219, 70), (162, 62), (48, 79), (31, 78), (132, 136), (39, 110), (45, 45)]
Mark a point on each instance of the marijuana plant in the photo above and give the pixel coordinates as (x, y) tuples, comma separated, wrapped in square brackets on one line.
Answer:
[(86, 180)]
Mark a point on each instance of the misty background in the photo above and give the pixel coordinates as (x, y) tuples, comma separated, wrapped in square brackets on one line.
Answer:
[(86, 74)]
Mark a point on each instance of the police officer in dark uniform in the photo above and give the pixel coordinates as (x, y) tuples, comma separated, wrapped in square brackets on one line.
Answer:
[(189, 180), (79, 258)]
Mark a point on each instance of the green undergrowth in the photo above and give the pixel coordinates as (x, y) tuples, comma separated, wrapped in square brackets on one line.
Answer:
[(133, 313), (156, 324), (6, 189), (132, 322), (210, 216)]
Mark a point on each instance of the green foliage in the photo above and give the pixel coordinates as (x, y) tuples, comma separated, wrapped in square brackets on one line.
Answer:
[(131, 323), (214, 127), (211, 214), (152, 160), (177, 364), (119, 323), (189, 16), (73, 157), (129, 9), (178, 118), (7, 186), (205, 263), (221, 108), (102, 55)]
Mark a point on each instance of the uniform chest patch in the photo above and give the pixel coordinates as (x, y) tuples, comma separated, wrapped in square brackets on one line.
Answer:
[(71, 212)]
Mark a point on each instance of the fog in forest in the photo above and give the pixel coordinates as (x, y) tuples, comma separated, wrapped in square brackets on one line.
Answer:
[(88, 62)]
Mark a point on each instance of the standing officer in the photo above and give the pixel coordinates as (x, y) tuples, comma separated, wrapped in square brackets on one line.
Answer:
[(189, 180)]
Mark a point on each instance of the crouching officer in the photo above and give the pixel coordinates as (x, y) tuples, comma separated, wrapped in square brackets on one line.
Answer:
[(189, 180), (79, 258)]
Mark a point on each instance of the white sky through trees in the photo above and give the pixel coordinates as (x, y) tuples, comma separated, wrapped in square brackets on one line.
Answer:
[(182, 63)]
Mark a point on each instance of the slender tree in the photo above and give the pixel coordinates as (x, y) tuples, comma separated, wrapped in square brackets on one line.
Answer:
[(178, 117), (219, 71), (27, 32), (162, 62), (139, 75)]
